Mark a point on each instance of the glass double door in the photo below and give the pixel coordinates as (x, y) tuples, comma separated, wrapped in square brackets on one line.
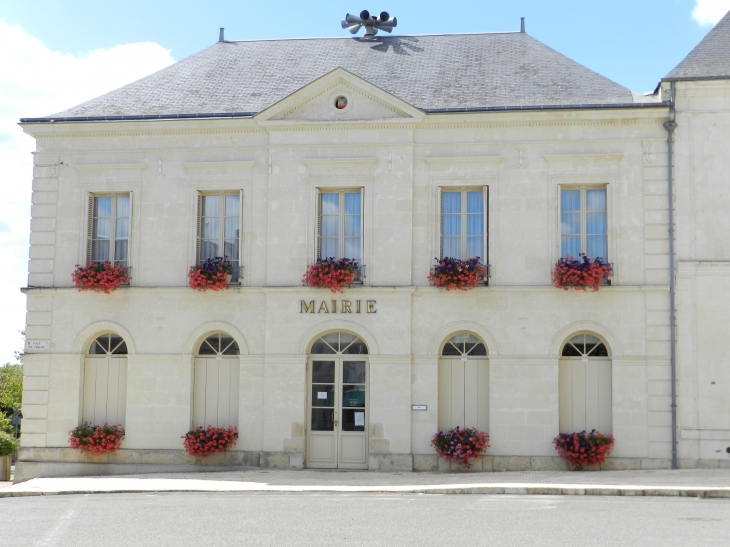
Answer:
[(337, 433)]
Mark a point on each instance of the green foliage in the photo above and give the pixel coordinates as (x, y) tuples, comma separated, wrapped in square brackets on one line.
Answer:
[(8, 445), (11, 387), (5, 423)]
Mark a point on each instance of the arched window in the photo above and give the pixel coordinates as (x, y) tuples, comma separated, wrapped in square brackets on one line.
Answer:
[(216, 379), (108, 344), (464, 345), (105, 381), (584, 385), (219, 344), (584, 345), (339, 342), (463, 383)]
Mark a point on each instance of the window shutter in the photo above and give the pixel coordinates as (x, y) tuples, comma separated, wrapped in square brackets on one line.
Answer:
[(240, 236), (441, 223), (486, 226), (362, 228), (318, 242), (90, 228), (198, 228), (129, 229)]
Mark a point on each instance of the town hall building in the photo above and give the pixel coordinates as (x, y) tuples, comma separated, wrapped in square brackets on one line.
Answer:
[(393, 152)]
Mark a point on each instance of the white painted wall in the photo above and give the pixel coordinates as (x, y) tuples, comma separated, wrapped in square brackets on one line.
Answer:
[(401, 161)]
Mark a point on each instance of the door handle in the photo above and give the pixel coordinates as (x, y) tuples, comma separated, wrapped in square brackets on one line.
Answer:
[(334, 420)]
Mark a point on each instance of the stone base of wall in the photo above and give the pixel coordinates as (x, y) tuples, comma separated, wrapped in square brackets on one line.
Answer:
[(432, 463), (65, 462)]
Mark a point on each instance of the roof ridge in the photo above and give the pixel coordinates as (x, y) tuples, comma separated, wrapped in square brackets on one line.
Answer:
[(373, 40)]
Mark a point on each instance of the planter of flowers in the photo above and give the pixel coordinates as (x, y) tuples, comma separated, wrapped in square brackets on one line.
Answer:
[(330, 273), (96, 439), (455, 274), (201, 442), (462, 445), (579, 449), (100, 277), (579, 274), (212, 274)]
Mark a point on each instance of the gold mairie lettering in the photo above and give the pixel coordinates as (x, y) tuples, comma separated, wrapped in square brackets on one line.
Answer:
[(346, 306), (334, 306), (307, 308), (371, 306), (358, 307), (323, 306)]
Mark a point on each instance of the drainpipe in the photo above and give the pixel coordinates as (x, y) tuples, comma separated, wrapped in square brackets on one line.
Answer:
[(670, 125)]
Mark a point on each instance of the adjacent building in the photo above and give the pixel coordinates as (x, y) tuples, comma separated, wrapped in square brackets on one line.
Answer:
[(390, 151)]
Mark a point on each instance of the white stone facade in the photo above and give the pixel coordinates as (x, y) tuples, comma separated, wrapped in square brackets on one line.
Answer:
[(400, 158)]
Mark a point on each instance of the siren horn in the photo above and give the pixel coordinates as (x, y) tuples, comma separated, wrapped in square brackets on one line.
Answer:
[(372, 24)]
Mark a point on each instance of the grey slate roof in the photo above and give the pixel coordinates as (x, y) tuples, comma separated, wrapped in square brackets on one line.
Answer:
[(428, 72), (710, 59)]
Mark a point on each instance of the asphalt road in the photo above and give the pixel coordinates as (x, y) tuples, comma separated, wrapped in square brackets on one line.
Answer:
[(323, 520)]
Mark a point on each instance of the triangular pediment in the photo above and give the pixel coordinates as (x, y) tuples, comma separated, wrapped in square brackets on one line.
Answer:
[(317, 103)]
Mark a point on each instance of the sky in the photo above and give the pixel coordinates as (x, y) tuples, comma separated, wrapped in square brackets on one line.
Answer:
[(54, 55)]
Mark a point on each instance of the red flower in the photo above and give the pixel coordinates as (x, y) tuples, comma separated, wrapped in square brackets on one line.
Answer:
[(201, 442), (579, 274), (331, 274), (455, 274), (100, 277), (582, 448), (96, 439), (211, 274), (462, 445)]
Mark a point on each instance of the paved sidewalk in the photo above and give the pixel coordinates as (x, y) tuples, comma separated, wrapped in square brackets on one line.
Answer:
[(703, 483)]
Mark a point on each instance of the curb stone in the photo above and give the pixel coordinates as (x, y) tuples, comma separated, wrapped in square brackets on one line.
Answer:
[(491, 489)]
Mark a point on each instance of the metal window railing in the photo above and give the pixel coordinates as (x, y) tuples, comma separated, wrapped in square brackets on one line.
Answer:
[(237, 275), (360, 274)]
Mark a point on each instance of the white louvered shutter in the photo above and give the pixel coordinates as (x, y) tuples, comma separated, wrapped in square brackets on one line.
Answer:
[(441, 224), (318, 245), (198, 227), (90, 228)]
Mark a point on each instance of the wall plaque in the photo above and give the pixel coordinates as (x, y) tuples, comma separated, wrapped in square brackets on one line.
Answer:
[(32, 346)]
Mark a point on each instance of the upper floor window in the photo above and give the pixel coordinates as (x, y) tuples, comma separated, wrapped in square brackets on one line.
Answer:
[(583, 222), (463, 223), (340, 224), (219, 226), (108, 234)]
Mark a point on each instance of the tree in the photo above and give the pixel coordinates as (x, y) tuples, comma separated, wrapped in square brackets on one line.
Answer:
[(11, 389)]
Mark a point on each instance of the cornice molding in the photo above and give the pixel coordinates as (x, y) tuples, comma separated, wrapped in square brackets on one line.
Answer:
[(584, 158), (244, 164), (315, 162), (105, 166), (439, 161)]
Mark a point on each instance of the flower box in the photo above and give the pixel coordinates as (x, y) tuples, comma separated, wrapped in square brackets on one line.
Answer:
[(100, 277), (331, 273), (213, 274), (462, 445), (579, 274), (201, 442), (455, 274), (580, 449), (96, 439)]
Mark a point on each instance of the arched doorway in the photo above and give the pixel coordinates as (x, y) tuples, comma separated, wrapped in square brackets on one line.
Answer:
[(463, 383), (337, 402), (216, 374), (585, 385), (105, 381)]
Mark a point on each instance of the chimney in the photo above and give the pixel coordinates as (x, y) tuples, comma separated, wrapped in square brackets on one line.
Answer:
[(522, 25), (222, 39)]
